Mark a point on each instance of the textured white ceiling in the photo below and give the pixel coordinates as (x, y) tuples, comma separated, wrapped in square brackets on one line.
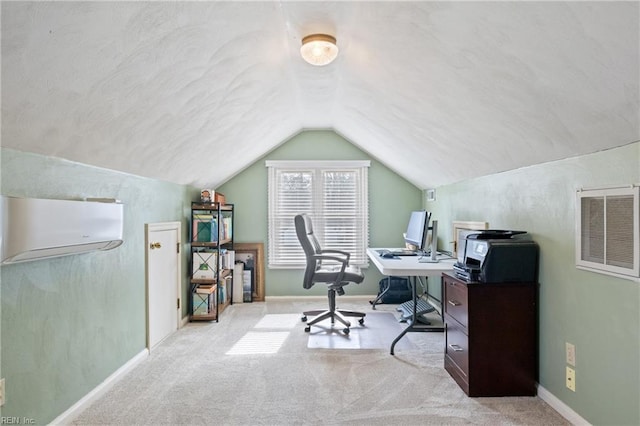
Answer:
[(193, 92)]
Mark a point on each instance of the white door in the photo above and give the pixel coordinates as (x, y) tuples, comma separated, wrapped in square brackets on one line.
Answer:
[(163, 280)]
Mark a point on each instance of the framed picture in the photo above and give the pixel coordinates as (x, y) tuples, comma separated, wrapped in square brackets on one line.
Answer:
[(205, 196), (460, 229), (252, 255)]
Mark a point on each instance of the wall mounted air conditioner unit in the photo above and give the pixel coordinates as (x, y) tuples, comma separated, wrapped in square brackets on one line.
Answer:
[(34, 229)]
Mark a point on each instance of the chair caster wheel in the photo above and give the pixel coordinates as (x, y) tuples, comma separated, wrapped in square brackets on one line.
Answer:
[(303, 319), (361, 321), (346, 331), (307, 328)]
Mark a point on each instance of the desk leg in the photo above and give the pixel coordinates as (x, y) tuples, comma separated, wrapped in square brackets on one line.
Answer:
[(379, 298), (410, 321)]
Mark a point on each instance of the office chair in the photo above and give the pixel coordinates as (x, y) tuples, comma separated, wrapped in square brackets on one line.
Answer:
[(336, 276)]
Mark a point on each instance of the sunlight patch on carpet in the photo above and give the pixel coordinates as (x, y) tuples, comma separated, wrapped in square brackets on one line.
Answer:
[(279, 321), (260, 342)]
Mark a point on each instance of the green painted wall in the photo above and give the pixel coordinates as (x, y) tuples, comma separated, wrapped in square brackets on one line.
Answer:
[(391, 199), (597, 313), (68, 323)]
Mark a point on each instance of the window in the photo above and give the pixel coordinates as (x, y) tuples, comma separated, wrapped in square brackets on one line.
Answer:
[(607, 235), (333, 193)]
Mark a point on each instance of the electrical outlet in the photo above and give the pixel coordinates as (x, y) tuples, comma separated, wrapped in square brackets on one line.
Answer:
[(571, 353), (571, 379), (1, 392)]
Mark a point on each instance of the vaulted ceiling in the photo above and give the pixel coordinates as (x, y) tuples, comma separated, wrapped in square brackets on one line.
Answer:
[(193, 92)]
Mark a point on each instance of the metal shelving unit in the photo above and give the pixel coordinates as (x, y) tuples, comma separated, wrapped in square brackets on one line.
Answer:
[(212, 259)]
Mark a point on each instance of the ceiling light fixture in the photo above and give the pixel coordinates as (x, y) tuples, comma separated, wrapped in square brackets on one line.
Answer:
[(319, 49)]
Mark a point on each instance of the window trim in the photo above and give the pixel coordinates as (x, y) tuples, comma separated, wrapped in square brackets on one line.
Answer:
[(318, 166)]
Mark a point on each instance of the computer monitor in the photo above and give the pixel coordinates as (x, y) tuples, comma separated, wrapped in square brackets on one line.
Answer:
[(417, 229), (430, 242)]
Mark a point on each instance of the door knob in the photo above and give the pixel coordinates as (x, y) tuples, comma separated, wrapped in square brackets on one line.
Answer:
[(155, 246)]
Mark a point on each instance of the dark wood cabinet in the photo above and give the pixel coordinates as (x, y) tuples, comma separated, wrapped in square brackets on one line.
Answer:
[(491, 346)]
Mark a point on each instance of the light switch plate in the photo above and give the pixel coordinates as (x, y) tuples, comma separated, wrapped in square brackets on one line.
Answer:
[(570, 354)]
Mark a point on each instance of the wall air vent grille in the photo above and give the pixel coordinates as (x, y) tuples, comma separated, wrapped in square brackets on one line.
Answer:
[(608, 231)]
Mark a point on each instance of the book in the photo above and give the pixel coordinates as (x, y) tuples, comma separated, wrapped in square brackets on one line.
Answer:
[(222, 293), (205, 288), (226, 231), (227, 258), (205, 228)]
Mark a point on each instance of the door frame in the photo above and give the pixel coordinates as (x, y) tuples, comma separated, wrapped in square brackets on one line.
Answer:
[(148, 229)]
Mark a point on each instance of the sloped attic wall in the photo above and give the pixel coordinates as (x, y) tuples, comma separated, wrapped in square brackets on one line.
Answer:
[(599, 314), (71, 322)]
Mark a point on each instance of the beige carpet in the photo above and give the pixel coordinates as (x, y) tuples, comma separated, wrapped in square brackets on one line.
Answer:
[(255, 367), (377, 332)]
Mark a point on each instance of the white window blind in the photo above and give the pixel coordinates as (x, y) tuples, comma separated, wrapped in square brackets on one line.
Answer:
[(333, 193), (607, 235)]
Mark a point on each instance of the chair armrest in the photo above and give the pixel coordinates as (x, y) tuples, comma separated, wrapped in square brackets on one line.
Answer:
[(321, 257), (343, 261), (344, 253)]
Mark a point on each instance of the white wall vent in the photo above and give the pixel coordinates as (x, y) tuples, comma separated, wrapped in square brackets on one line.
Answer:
[(608, 231)]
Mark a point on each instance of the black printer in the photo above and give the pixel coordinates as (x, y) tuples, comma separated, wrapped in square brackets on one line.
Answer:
[(495, 256)]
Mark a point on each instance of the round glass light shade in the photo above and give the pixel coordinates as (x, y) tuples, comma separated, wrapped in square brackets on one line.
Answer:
[(319, 49)]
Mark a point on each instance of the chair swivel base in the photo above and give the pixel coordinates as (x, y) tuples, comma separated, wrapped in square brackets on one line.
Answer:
[(339, 315)]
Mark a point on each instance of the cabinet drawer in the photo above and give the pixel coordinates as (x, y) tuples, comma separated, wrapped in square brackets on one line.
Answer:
[(456, 301), (457, 346)]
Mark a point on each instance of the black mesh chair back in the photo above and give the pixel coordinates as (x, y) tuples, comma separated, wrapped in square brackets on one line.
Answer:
[(326, 266)]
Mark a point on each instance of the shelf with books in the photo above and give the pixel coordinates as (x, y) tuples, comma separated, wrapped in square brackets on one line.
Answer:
[(203, 305), (212, 259), (212, 244)]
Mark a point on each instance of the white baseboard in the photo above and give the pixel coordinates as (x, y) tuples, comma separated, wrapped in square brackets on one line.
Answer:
[(184, 321), (68, 416), (562, 408)]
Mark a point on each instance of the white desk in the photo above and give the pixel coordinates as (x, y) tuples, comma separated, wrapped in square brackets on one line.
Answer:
[(409, 266)]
